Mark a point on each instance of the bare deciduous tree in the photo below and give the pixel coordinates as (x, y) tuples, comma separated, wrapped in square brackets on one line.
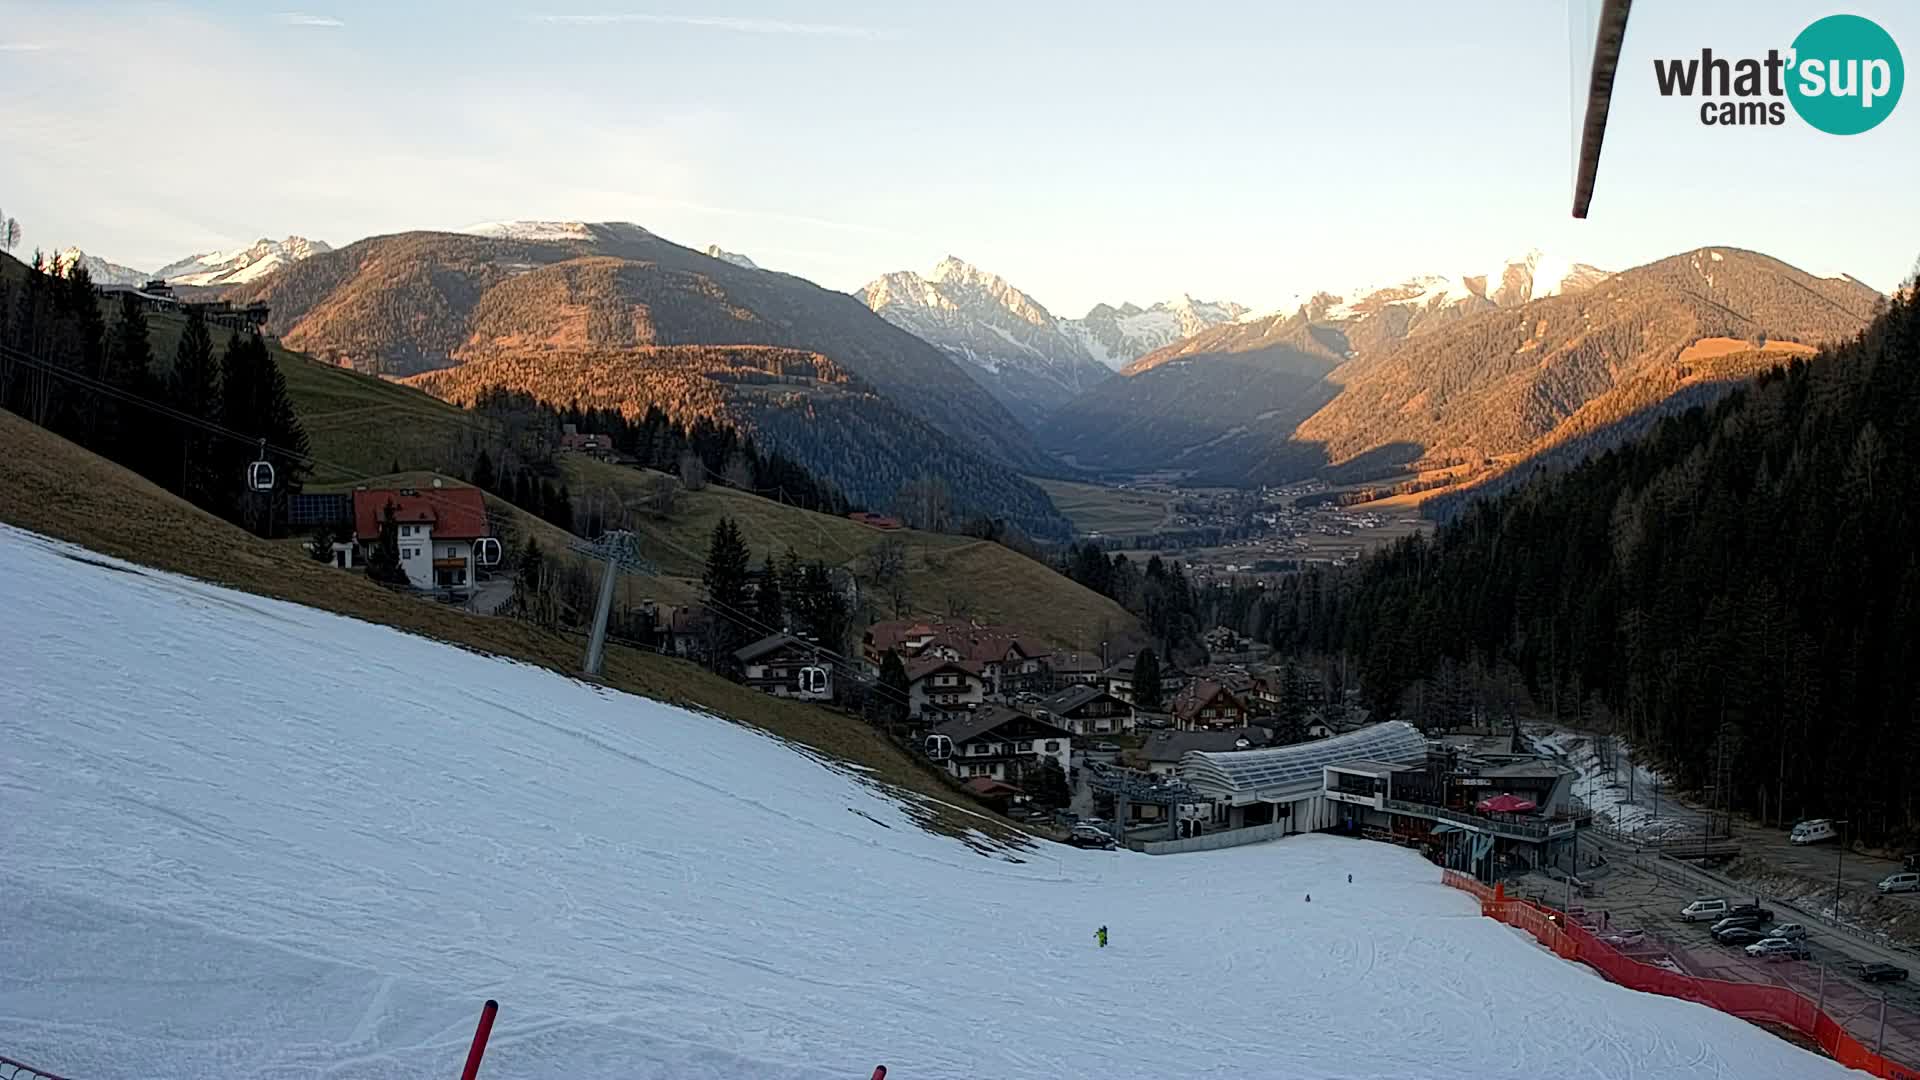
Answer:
[(666, 491), (693, 472)]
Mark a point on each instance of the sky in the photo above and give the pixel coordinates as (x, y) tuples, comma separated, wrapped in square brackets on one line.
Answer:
[(1088, 152)]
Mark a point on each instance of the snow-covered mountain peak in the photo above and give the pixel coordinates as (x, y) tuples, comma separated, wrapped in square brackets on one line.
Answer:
[(100, 270), (241, 265), (531, 230)]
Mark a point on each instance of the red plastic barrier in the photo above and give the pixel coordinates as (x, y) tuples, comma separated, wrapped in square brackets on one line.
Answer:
[(1749, 1001)]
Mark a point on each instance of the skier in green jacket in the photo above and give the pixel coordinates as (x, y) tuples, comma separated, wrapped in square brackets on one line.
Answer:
[(1100, 935)]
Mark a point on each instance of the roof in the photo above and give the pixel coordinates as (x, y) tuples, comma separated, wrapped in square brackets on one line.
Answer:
[(1073, 697), (925, 666), (1366, 765), (767, 645), (1298, 769), (1173, 745), (1077, 663), (456, 513), (1545, 770), (987, 718), (1197, 694), (987, 785), (976, 644)]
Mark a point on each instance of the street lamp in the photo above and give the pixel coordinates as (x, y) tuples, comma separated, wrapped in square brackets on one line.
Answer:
[(1839, 860)]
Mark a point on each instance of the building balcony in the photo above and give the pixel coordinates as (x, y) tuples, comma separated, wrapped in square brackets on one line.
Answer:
[(1512, 828)]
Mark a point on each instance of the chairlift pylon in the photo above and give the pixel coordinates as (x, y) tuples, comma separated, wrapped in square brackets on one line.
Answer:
[(939, 747), (260, 473), (486, 551)]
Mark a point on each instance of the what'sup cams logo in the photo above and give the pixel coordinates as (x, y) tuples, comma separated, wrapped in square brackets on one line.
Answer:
[(1842, 75)]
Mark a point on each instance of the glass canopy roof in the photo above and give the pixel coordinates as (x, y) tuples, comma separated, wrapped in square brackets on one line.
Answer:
[(1248, 771)]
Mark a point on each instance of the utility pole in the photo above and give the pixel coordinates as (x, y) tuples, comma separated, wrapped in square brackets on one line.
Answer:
[(620, 551), (1839, 860)]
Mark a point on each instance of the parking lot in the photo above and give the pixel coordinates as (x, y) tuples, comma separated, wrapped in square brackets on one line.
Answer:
[(1637, 892)]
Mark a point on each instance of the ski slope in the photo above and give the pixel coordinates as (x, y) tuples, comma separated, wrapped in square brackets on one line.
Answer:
[(240, 838)]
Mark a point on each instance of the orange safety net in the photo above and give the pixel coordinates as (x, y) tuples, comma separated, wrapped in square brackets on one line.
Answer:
[(1775, 1004)]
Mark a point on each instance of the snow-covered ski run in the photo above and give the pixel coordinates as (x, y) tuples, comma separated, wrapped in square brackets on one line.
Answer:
[(241, 838)]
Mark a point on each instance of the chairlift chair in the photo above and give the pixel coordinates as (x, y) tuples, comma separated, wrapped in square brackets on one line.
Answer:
[(486, 551), (939, 747), (260, 472)]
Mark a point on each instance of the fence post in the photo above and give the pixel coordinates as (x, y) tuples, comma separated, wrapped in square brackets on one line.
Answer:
[(1880, 1045), (480, 1034), (1821, 1004)]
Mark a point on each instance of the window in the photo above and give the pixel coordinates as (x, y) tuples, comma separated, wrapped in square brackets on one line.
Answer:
[(1026, 746), (1053, 746)]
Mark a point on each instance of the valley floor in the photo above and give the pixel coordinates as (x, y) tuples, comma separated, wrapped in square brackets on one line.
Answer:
[(246, 838)]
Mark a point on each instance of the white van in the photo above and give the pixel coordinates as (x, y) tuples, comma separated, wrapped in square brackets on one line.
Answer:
[(1905, 881), (1812, 832), (1706, 909)]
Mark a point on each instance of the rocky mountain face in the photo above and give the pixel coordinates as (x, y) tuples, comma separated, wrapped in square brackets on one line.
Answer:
[(1465, 369), (240, 266), (100, 270), (1002, 337), (1117, 336), (715, 251), (616, 294)]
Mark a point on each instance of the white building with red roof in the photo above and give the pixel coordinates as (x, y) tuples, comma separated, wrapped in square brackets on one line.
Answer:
[(438, 527)]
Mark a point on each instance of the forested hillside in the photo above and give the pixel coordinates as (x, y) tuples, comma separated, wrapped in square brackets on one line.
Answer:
[(795, 401), (1738, 590), (1368, 390), (413, 302)]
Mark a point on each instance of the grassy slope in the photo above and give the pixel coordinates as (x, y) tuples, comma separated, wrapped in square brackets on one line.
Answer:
[(358, 426), (56, 488), (1097, 509), (994, 583)]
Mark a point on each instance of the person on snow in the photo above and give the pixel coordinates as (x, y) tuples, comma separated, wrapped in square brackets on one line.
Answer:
[(1349, 879), (1100, 935), (1309, 898)]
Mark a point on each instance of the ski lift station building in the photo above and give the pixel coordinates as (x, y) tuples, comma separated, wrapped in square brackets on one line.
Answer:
[(1289, 783), (1388, 779)]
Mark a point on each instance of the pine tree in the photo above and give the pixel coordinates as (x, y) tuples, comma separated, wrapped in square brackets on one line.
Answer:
[(1046, 784), (820, 610), (769, 607), (483, 471), (128, 427), (1290, 720), (193, 388), (894, 689), (1146, 680), (383, 562), (725, 579)]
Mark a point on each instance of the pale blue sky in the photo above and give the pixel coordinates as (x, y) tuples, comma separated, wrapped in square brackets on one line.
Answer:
[(1086, 151)]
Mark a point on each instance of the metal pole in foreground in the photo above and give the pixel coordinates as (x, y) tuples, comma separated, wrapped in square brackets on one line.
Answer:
[(480, 1034), (1820, 1004), (1880, 1047), (597, 642), (1839, 860)]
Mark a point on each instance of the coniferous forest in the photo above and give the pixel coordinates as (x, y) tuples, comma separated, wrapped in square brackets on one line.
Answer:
[(1737, 592)]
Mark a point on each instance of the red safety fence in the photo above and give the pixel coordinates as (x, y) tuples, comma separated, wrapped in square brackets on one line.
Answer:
[(1749, 1001)]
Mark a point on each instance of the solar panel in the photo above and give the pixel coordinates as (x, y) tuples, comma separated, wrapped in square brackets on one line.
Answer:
[(311, 510)]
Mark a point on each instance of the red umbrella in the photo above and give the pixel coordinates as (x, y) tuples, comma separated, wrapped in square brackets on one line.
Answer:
[(1507, 804)]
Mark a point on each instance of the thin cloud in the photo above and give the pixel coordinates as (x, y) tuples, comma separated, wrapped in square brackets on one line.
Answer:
[(23, 46), (721, 22), (300, 18)]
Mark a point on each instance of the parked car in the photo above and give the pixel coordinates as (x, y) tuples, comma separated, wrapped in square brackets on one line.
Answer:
[(1739, 935), (1703, 909), (1905, 881), (1751, 909), (1624, 937), (1107, 747), (1792, 931), (1879, 972), (1774, 948), (1085, 836), (1751, 922), (1812, 832)]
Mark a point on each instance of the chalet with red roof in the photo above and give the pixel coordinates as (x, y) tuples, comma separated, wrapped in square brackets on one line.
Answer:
[(437, 526)]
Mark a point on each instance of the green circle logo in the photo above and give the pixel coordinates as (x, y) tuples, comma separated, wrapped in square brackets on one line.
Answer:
[(1846, 75)]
